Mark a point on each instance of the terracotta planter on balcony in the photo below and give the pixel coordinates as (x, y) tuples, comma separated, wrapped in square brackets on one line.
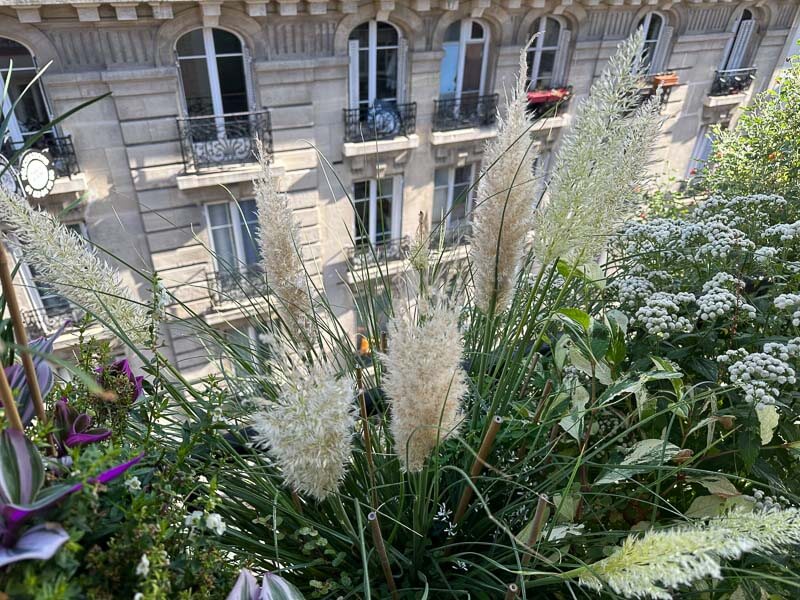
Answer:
[(548, 96), (665, 80)]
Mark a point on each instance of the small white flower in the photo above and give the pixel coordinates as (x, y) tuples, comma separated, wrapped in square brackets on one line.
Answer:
[(138, 596), (193, 519), (143, 568), (133, 484), (215, 523)]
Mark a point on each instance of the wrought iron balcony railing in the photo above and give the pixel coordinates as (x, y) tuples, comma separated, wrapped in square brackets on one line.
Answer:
[(452, 236), (233, 286), (367, 254), (735, 81), (216, 141), (59, 149), (382, 121), (463, 112), (41, 322)]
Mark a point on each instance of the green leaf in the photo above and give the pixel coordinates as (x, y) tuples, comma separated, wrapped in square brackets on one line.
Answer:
[(768, 418), (718, 485), (645, 456), (705, 506), (578, 316)]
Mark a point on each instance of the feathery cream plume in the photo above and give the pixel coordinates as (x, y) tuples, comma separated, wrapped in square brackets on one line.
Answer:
[(601, 163), (67, 263), (309, 429), (279, 240), (504, 202), (424, 382), (650, 565)]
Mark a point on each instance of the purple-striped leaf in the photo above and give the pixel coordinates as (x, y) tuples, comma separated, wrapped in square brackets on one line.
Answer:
[(21, 468), (40, 542), (246, 587)]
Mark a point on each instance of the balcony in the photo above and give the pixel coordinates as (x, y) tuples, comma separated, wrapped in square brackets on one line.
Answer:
[(236, 286), (367, 255), (546, 103), (450, 237), (732, 82), (213, 142), (464, 112), (41, 322), (59, 150), (383, 121)]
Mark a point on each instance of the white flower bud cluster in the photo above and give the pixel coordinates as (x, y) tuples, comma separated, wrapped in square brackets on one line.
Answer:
[(740, 210), (721, 239), (760, 374), (718, 299), (656, 236), (660, 315), (785, 231), (632, 291), (789, 302), (765, 253)]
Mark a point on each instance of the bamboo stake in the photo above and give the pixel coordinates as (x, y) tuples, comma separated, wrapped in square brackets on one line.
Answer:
[(548, 387), (511, 591), (536, 526), (477, 466), (20, 334), (377, 539), (10, 406)]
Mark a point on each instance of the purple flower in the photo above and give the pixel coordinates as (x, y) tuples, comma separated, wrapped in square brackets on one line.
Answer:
[(73, 429), (123, 367)]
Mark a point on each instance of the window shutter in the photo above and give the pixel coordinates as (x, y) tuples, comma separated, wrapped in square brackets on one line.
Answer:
[(741, 44), (659, 62), (352, 47), (252, 103), (397, 206), (402, 59), (560, 67)]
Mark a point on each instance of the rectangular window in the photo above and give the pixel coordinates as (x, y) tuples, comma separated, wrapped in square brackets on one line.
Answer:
[(377, 211), (232, 228), (245, 345), (453, 196)]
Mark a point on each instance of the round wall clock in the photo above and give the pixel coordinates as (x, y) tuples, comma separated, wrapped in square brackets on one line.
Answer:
[(37, 174)]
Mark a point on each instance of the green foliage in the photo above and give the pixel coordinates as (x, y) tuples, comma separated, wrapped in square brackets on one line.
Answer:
[(761, 154)]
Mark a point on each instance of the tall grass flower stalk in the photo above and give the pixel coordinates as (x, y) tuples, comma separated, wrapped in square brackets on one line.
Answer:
[(601, 165), (279, 241), (308, 429), (71, 266), (504, 203), (424, 382)]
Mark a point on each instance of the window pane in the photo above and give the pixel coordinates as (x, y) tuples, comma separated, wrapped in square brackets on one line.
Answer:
[(439, 204), (453, 32), (361, 222), (192, 44), (219, 215), (361, 33), (194, 75), (551, 33), (224, 247), (383, 230), (477, 31), (363, 76), (386, 75), (16, 52), (546, 65), (226, 43), (440, 177), (249, 219), (473, 63), (232, 85), (654, 30), (31, 111), (387, 35), (463, 175), (448, 70), (361, 190)]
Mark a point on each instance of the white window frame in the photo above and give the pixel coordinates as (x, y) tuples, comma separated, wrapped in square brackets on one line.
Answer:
[(465, 39), (736, 50), (236, 224), (537, 48), (450, 186), (372, 77), (659, 43), (397, 204), (13, 130)]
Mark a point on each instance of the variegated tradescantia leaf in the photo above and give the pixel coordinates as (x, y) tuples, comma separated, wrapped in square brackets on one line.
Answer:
[(273, 587)]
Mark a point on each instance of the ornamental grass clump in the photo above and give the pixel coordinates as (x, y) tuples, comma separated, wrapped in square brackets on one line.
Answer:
[(424, 383), (601, 165), (71, 266), (308, 428), (504, 202)]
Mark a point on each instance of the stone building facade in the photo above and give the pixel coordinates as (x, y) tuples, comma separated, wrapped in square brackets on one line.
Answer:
[(387, 102)]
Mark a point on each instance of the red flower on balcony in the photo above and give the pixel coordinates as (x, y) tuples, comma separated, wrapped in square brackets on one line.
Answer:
[(548, 96)]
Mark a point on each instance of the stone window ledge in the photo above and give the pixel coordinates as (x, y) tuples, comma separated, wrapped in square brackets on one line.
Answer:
[(717, 101), (459, 136), (235, 174), (352, 149), (70, 185)]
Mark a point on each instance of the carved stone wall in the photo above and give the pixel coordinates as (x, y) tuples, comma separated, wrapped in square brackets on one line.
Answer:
[(85, 47)]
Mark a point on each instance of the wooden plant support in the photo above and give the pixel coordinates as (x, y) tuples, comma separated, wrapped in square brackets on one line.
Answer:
[(477, 466)]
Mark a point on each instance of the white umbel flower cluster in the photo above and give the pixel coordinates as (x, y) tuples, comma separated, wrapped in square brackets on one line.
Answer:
[(718, 300), (595, 186), (308, 429), (661, 316), (718, 239), (789, 302), (765, 253), (760, 375), (632, 291), (785, 232), (424, 383), (751, 212), (504, 204), (69, 265), (279, 241)]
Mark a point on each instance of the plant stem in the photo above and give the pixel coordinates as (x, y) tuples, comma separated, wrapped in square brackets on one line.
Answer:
[(536, 526), (20, 335), (477, 466), (377, 538), (9, 405)]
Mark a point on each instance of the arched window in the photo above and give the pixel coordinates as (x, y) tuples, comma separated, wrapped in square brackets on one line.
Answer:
[(375, 65), (17, 70), (653, 53), (547, 54), (738, 49), (463, 68), (212, 72)]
